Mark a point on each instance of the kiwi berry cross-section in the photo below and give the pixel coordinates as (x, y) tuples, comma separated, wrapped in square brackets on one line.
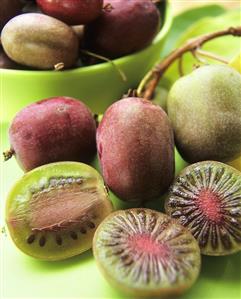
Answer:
[(206, 198), (53, 211), (146, 253)]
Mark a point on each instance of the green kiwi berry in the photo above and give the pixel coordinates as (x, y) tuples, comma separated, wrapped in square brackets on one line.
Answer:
[(53, 211)]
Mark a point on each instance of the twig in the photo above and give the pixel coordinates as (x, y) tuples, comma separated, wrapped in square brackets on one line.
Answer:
[(211, 55), (147, 88), (121, 73)]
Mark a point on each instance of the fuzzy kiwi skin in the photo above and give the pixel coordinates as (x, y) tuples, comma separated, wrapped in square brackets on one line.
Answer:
[(128, 27), (136, 149), (18, 211), (52, 130), (205, 111), (182, 199), (40, 41), (141, 290)]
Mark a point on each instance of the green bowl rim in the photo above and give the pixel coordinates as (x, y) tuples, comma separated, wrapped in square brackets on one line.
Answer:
[(119, 61)]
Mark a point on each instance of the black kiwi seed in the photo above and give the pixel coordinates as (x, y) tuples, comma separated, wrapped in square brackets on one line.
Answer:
[(83, 230), (73, 235), (59, 240), (91, 224), (31, 239), (42, 241)]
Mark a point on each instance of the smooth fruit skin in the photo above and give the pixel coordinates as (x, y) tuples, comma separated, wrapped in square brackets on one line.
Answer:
[(128, 27), (72, 12), (136, 149), (8, 10), (40, 41), (119, 263), (67, 212), (205, 111), (51, 130)]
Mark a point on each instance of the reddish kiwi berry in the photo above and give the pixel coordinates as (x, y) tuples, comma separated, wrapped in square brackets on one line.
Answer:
[(40, 41), (126, 27), (52, 211), (8, 10), (206, 198), (72, 12), (146, 253), (136, 149), (52, 130)]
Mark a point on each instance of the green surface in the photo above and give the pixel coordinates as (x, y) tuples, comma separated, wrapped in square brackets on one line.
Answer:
[(78, 277)]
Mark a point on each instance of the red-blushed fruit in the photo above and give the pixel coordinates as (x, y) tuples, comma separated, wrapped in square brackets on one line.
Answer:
[(206, 198), (72, 12), (8, 10), (146, 253), (52, 130), (129, 26), (136, 149)]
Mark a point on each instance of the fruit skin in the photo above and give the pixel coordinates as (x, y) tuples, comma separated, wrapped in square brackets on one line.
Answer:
[(136, 149), (72, 12), (51, 40), (205, 111), (51, 130), (129, 27), (22, 198), (128, 223), (206, 198), (8, 10), (6, 62)]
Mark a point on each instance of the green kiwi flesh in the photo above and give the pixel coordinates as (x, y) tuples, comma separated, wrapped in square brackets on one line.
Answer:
[(146, 253), (206, 198), (53, 211)]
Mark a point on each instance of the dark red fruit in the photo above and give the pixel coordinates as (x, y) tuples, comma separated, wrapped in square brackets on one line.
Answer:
[(136, 149), (52, 130), (8, 10), (72, 12), (129, 26)]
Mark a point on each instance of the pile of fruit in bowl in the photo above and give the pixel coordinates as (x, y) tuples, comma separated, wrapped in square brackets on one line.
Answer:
[(62, 206)]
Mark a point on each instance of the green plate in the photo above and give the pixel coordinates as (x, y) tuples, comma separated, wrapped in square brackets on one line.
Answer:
[(78, 277)]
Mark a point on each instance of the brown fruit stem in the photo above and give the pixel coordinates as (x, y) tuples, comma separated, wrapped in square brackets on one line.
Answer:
[(8, 154), (120, 72), (147, 86)]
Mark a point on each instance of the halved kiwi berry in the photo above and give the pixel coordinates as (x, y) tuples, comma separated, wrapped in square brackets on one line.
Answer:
[(146, 253), (206, 198), (53, 211)]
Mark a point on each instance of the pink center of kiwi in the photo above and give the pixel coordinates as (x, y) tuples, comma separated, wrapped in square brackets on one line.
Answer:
[(209, 203), (144, 243)]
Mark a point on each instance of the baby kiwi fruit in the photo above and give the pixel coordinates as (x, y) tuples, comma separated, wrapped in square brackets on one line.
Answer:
[(40, 41), (52, 211), (136, 149), (206, 198), (146, 253), (204, 108), (52, 130), (126, 27)]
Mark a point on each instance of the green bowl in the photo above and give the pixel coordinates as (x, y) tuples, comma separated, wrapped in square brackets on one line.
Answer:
[(98, 85)]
